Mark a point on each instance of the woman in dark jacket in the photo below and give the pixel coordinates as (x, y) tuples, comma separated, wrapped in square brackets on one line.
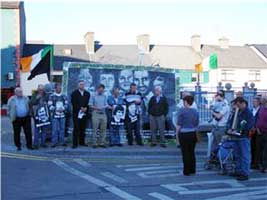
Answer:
[(187, 125)]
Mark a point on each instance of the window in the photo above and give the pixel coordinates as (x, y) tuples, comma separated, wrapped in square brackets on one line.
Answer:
[(228, 75), (254, 75), (67, 51)]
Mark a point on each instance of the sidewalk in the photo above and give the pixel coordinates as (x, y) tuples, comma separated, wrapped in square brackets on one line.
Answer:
[(111, 152)]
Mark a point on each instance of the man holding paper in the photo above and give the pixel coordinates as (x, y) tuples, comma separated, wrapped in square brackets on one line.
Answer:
[(239, 126), (79, 99)]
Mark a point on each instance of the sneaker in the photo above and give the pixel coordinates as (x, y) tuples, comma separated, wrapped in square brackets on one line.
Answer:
[(153, 144), (242, 178), (18, 148), (54, 145)]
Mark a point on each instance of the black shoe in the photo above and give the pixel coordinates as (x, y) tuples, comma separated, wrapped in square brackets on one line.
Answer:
[(120, 145), (84, 145), (18, 148), (178, 146), (103, 146), (94, 146), (263, 170), (54, 145), (30, 148), (234, 174), (111, 145), (153, 144), (186, 174), (163, 145), (242, 178), (44, 146), (254, 167), (64, 145), (140, 144), (130, 144), (35, 147), (74, 146)]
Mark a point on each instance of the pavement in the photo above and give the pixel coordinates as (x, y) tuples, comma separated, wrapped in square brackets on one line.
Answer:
[(129, 172)]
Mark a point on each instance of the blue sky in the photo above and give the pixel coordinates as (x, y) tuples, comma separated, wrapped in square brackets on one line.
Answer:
[(167, 22)]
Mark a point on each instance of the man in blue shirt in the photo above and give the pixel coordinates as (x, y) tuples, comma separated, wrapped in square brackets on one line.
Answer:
[(19, 113), (239, 126)]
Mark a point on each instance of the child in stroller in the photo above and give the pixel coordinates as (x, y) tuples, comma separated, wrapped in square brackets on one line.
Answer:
[(223, 157)]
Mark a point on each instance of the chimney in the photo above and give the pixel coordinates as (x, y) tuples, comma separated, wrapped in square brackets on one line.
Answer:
[(195, 42), (143, 43), (89, 42), (224, 43)]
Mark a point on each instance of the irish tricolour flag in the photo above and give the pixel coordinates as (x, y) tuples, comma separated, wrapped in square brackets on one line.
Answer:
[(208, 63), (38, 63)]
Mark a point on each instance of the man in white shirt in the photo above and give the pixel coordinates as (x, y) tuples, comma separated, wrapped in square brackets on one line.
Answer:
[(220, 113)]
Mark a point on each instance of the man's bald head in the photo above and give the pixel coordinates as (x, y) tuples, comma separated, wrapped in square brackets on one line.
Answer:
[(18, 92)]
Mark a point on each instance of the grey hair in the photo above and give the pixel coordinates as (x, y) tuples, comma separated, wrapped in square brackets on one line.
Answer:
[(158, 88), (17, 89)]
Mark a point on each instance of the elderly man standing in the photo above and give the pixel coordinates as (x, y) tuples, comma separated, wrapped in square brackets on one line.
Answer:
[(19, 113), (98, 103), (158, 109), (79, 100)]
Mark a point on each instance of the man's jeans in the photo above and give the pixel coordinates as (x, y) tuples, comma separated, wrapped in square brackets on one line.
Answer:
[(114, 132), (40, 132), (58, 130), (242, 156)]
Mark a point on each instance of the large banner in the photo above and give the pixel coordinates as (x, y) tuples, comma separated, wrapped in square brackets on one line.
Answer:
[(146, 78)]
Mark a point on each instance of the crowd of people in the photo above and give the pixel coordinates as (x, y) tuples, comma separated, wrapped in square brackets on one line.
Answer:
[(49, 113)]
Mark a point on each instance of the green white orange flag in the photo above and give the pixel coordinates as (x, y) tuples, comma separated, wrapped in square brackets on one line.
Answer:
[(210, 62), (30, 62)]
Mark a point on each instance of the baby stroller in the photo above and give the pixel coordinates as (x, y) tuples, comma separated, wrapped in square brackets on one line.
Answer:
[(226, 156), (222, 158)]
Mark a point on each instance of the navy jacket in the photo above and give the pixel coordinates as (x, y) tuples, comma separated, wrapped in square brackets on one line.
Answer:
[(243, 115)]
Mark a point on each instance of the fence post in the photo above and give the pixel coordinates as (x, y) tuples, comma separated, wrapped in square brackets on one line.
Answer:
[(219, 87), (198, 93), (229, 94), (249, 93)]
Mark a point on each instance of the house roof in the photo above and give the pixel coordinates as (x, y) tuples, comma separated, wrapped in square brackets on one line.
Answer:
[(234, 56), (182, 57), (262, 48), (10, 4), (168, 56)]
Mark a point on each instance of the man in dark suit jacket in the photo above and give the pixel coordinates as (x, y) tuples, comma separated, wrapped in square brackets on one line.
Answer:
[(80, 100), (158, 108)]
